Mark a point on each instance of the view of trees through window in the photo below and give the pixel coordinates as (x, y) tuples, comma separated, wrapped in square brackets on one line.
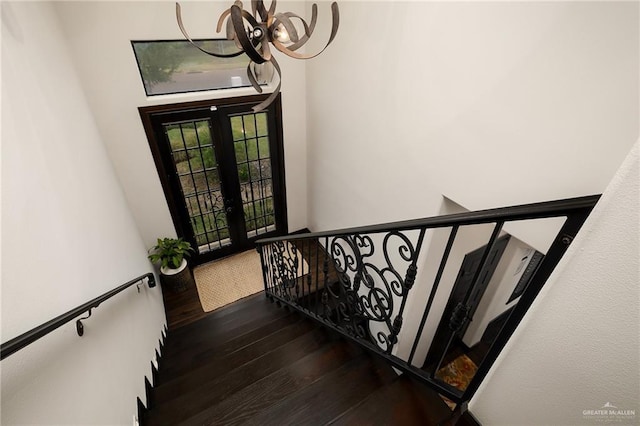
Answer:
[(192, 149), (175, 66)]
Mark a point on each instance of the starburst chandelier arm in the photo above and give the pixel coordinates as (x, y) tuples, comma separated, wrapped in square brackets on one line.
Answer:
[(259, 11), (184, 32), (262, 105), (231, 34), (252, 78), (221, 19), (334, 30), (282, 18), (237, 16), (272, 7), (308, 29), (266, 50)]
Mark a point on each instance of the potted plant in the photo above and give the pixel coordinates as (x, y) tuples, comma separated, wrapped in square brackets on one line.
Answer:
[(171, 254)]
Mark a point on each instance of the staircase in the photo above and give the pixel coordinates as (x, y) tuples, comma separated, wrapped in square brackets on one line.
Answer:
[(327, 356), (253, 362)]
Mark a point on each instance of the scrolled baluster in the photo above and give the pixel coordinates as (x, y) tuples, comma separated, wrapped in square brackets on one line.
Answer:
[(327, 311), (325, 280), (395, 331), (410, 277), (356, 282)]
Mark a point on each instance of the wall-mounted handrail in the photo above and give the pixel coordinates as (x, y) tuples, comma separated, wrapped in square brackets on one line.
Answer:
[(14, 345)]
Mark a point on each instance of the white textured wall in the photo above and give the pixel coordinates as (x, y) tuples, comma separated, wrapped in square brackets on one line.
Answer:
[(578, 346), (99, 35), (487, 103), (67, 237)]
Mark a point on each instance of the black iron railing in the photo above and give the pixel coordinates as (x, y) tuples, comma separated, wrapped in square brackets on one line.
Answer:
[(358, 281), (14, 345)]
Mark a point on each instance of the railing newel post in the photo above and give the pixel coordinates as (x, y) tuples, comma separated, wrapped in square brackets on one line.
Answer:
[(263, 267)]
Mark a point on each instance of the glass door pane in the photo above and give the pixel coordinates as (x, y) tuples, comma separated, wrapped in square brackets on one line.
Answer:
[(253, 161), (193, 154), (222, 172)]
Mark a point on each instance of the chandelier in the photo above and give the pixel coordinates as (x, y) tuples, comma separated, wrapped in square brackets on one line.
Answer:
[(254, 32)]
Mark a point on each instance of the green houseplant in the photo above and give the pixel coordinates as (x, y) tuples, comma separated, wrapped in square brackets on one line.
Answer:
[(171, 254)]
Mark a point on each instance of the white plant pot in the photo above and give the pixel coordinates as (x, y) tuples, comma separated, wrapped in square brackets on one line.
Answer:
[(172, 271)]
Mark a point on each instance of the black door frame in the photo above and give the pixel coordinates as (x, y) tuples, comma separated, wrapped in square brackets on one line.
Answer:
[(460, 287), (208, 108)]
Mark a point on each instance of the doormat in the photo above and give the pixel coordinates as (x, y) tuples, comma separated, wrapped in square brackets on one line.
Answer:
[(458, 373), (226, 280)]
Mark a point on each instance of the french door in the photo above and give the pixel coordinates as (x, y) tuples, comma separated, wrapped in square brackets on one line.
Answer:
[(222, 170)]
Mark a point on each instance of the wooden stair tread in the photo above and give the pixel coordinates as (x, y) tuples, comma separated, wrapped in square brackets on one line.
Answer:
[(206, 341), (184, 308), (189, 401), (326, 398), (219, 362), (253, 362), (403, 402), (241, 406), (238, 313)]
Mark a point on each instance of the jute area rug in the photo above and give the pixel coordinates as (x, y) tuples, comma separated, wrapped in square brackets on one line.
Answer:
[(227, 280)]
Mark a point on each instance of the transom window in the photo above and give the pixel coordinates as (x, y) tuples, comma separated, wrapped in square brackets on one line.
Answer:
[(176, 66)]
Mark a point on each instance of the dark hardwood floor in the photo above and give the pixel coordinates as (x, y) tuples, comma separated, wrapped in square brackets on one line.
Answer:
[(253, 362), (182, 307)]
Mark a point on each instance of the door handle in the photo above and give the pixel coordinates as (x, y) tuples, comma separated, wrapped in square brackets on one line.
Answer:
[(228, 205)]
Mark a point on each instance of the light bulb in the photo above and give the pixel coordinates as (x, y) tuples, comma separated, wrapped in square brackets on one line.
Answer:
[(280, 33)]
